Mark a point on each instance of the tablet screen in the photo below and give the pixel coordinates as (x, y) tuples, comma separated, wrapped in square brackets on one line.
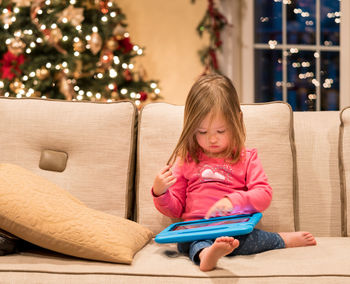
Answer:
[(209, 223)]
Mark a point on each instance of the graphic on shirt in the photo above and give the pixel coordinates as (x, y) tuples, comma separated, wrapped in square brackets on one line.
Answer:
[(209, 174), (222, 173)]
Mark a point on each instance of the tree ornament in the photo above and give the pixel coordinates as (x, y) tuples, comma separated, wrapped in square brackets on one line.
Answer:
[(154, 97), (127, 75), (7, 18), (75, 16), (65, 86), (115, 95), (42, 73), (112, 44), (95, 43), (125, 45), (55, 35), (16, 46), (22, 3), (77, 74), (106, 56), (100, 70), (104, 6), (16, 86), (37, 94), (79, 46), (143, 97), (9, 65)]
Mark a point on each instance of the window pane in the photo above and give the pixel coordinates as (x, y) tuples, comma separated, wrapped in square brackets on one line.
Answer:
[(268, 75), (330, 20), (301, 22), (301, 73), (330, 80), (268, 21)]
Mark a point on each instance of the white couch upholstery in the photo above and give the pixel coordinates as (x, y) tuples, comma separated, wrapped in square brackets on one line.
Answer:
[(306, 156)]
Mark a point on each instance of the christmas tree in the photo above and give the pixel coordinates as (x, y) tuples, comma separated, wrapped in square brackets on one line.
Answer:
[(69, 49)]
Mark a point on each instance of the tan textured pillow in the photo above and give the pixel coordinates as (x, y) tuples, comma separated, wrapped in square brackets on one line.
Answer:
[(40, 212), (269, 129)]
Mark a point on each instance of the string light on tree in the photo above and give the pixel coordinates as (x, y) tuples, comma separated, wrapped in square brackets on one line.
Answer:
[(80, 52)]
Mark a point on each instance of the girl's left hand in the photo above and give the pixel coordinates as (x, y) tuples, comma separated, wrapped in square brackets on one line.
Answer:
[(222, 207)]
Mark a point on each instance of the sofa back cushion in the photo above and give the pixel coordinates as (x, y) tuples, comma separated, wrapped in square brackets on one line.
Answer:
[(318, 197), (93, 142), (268, 129), (344, 157)]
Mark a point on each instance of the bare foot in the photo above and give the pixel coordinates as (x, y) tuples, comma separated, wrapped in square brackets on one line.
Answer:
[(298, 239), (209, 256)]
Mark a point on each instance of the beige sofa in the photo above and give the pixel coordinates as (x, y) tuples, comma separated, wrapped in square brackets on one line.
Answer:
[(114, 154)]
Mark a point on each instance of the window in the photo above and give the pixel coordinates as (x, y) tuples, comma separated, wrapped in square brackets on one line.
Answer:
[(292, 52)]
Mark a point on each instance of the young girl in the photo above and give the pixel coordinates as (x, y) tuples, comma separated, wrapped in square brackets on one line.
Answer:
[(213, 174)]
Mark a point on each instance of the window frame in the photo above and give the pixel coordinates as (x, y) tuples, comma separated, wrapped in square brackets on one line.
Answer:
[(249, 46)]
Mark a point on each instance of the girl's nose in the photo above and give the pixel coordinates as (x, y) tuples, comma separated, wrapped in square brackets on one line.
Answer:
[(212, 138)]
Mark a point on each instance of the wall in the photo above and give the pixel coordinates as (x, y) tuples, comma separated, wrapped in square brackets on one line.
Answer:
[(167, 30)]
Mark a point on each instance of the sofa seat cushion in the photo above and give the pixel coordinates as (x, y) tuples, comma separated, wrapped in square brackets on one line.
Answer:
[(44, 214), (327, 261)]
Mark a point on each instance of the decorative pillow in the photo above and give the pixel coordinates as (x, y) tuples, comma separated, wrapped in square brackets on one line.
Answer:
[(38, 211)]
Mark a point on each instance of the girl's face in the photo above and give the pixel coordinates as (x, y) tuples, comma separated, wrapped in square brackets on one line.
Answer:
[(213, 135)]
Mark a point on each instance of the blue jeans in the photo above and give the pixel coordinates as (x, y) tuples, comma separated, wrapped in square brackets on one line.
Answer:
[(255, 242)]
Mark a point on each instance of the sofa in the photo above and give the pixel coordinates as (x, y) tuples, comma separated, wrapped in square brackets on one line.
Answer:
[(113, 154)]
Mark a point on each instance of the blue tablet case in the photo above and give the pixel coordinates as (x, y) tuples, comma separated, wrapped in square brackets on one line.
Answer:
[(206, 229)]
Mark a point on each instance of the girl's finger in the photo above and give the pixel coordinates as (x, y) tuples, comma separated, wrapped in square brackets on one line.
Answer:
[(171, 179), (167, 173), (171, 182), (164, 170), (208, 215)]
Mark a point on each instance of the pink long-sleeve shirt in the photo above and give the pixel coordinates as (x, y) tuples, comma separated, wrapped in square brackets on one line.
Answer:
[(199, 186)]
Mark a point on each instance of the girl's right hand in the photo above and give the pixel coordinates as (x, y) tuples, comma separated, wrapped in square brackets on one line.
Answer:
[(163, 181)]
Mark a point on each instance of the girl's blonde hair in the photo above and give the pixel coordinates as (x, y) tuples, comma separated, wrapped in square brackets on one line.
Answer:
[(211, 94)]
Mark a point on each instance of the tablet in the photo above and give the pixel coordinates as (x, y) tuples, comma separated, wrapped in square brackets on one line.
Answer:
[(206, 229)]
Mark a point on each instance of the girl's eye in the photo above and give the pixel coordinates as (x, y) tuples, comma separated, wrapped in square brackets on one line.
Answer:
[(202, 132), (221, 131)]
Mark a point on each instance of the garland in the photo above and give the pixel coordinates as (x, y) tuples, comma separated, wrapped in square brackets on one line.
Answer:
[(212, 23)]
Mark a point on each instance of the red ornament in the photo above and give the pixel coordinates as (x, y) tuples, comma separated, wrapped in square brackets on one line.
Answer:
[(106, 56), (125, 45), (10, 64), (104, 7), (144, 96), (127, 75)]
